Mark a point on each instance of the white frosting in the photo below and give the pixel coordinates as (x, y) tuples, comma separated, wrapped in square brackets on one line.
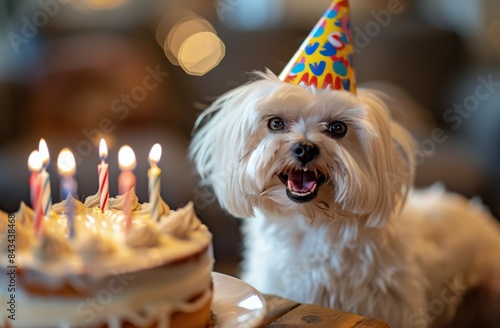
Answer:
[(92, 201), (119, 202), (179, 223), (163, 280), (164, 208), (24, 215), (143, 235), (115, 203), (62, 207), (22, 227)]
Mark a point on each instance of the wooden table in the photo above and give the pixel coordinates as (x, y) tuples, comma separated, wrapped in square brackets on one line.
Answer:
[(283, 313)]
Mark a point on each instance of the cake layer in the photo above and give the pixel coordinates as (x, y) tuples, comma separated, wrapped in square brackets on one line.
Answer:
[(139, 298)]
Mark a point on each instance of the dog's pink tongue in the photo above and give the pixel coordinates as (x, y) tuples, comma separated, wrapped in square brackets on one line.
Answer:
[(301, 181)]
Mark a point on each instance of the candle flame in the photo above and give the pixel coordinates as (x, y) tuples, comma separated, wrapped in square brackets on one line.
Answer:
[(126, 158), (103, 149), (66, 164), (155, 153), (35, 161), (44, 151)]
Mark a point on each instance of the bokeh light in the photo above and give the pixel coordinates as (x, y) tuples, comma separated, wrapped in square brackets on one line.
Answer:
[(180, 33), (168, 21), (190, 41), (201, 52)]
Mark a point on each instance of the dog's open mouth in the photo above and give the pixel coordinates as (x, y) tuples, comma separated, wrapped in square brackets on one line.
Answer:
[(302, 185)]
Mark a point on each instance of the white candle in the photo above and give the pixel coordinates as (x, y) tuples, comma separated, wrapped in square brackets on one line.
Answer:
[(67, 167), (35, 165), (154, 176), (126, 181), (102, 170), (45, 177)]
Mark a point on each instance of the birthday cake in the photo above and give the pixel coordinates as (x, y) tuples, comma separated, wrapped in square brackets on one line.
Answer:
[(157, 275)]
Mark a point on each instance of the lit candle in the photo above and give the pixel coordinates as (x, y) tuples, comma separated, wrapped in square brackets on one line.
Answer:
[(102, 169), (66, 166), (35, 165), (126, 181), (154, 175), (45, 177)]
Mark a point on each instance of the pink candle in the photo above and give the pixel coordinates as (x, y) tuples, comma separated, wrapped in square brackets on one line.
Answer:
[(126, 181), (35, 165), (102, 169), (46, 196), (66, 166)]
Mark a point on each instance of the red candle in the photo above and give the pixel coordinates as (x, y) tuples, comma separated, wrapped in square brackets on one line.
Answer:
[(35, 165), (102, 170), (126, 181)]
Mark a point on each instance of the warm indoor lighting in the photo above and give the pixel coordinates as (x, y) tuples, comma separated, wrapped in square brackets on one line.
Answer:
[(126, 158), (103, 149), (35, 161), (66, 164), (155, 153)]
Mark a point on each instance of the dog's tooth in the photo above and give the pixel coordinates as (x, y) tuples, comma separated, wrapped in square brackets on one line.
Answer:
[(305, 169)]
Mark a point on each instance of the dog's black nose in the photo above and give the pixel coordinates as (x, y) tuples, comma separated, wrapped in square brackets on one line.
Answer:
[(305, 152)]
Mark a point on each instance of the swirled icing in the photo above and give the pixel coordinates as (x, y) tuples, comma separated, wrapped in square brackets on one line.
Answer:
[(179, 223), (144, 235), (164, 208), (24, 215), (118, 202), (92, 201), (22, 235), (62, 207)]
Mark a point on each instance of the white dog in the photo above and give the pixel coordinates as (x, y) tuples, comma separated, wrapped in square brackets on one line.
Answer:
[(323, 179)]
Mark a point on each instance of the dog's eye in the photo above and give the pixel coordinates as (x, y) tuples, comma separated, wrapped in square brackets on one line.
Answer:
[(276, 124), (337, 129)]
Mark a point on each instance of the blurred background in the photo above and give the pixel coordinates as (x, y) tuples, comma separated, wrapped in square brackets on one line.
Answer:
[(139, 72)]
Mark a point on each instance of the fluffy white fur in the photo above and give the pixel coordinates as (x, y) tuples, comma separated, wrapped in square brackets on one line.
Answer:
[(367, 243)]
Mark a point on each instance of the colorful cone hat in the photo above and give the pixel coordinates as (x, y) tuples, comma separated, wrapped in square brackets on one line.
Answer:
[(324, 59)]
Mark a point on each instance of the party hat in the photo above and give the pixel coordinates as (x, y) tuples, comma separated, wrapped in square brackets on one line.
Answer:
[(324, 59)]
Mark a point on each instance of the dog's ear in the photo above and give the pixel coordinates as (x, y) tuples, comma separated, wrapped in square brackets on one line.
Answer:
[(222, 143), (390, 149)]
